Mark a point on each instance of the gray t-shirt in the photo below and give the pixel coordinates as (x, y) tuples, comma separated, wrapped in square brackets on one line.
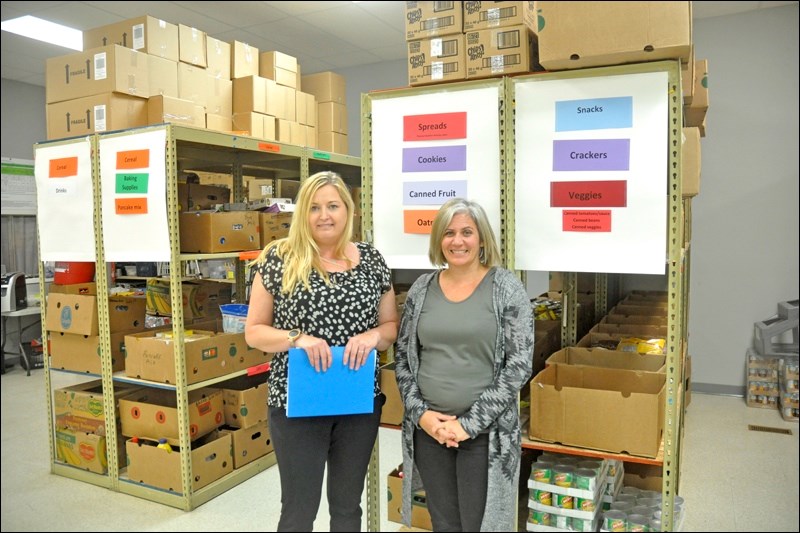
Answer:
[(457, 347)]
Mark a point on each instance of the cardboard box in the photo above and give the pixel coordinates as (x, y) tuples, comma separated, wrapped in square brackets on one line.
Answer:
[(420, 517), (153, 414), (81, 353), (80, 407), (435, 60), (150, 356), (201, 299), (695, 114), (148, 34), (690, 162), (192, 46), (95, 114), (331, 117), (393, 409), (433, 19), (162, 109), (219, 123), (249, 443), (82, 450), (192, 83), (77, 314), (219, 95), (273, 226), (608, 359), (195, 197), (245, 400), (244, 60), (326, 87), (644, 320), (211, 460), (482, 15), (633, 330), (101, 70), (163, 76), (605, 409), (330, 141), (592, 34), (501, 51), (218, 57), (212, 232)]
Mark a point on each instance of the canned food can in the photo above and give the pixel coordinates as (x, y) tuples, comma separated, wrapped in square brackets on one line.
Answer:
[(540, 518), (542, 496), (581, 524), (622, 506), (542, 471), (649, 502), (562, 522), (630, 490), (649, 494), (563, 475), (594, 466), (625, 498), (563, 501), (584, 504), (637, 522), (615, 521), (584, 478), (655, 524), (643, 510)]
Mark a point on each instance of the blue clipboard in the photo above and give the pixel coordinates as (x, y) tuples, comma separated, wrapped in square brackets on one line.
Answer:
[(338, 391)]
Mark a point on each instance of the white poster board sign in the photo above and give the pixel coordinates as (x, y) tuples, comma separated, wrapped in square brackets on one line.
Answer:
[(18, 187), (427, 149), (65, 201), (591, 174), (134, 197)]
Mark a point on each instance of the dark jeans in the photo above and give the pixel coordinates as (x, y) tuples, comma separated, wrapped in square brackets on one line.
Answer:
[(303, 446), (455, 480)]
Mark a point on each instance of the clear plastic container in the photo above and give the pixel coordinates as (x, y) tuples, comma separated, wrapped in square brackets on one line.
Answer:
[(234, 317)]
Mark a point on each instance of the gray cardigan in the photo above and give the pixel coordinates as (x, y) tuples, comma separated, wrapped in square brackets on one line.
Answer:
[(496, 409)]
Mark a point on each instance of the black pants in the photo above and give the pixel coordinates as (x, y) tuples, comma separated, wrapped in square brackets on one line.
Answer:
[(303, 446), (455, 480)]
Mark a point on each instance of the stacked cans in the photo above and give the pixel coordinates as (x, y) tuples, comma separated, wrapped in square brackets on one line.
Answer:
[(638, 510)]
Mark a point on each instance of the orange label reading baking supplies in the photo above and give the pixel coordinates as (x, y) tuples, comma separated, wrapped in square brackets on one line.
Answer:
[(64, 167), (133, 159), (418, 221)]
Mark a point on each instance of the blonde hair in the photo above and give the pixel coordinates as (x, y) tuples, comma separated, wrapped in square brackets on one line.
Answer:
[(299, 251), (489, 254)]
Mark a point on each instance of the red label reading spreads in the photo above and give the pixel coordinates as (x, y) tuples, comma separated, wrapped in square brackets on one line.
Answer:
[(589, 193), (435, 126), (586, 221)]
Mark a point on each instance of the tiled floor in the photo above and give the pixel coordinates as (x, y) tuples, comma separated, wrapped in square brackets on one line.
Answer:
[(733, 479)]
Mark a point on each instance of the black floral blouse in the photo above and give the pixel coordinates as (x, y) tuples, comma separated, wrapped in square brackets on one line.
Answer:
[(347, 307)]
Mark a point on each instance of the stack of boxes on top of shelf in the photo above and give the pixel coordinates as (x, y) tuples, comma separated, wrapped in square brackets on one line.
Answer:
[(148, 71), (772, 363), (456, 41)]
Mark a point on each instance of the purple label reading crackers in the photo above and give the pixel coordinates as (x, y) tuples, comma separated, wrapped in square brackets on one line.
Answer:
[(592, 154)]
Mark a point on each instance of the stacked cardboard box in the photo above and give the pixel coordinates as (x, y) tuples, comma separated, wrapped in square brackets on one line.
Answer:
[(329, 91), (245, 403)]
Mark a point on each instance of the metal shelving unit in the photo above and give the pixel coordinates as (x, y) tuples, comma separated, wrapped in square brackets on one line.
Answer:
[(677, 251), (187, 148)]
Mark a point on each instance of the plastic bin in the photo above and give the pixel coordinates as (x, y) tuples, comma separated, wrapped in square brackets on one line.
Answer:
[(234, 317)]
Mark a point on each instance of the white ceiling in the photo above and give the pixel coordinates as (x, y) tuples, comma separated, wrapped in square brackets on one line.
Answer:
[(322, 36)]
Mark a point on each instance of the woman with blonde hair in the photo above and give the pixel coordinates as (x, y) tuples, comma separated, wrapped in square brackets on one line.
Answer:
[(315, 289)]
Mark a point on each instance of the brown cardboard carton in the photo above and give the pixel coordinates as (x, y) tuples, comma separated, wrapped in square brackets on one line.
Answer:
[(82, 450), (436, 60), (218, 57), (326, 87), (690, 162), (192, 83), (212, 232), (156, 37), (605, 409), (393, 409), (80, 407), (420, 517), (163, 74), (482, 15), (501, 51), (77, 314), (153, 414), (592, 34), (207, 354), (81, 353), (245, 400), (101, 70), (95, 114), (608, 359), (151, 465), (433, 19), (162, 109), (331, 117), (244, 60), (192, 46), (249, 443)]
